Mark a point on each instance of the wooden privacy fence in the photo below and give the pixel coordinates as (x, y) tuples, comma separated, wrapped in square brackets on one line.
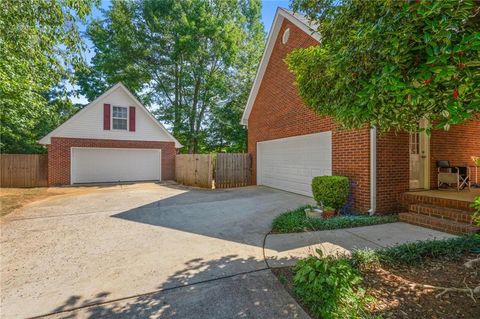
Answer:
[(233, 170), (221, 170), (194, 169), (23, 170)]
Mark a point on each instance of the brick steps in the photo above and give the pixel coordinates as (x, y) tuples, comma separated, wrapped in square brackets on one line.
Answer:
[(445, 214), (416, 198), (437, 223), (454, 214)]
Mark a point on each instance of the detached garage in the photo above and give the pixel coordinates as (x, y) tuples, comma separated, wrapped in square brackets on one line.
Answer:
[(92, 165), (112, 139)]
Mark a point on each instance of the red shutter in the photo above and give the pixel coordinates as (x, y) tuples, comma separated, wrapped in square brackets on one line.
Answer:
[(106, 116), (131, 116)]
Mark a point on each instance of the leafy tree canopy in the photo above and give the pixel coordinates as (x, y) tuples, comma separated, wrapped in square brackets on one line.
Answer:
[(390, 64), (39, 40), (193, 59)]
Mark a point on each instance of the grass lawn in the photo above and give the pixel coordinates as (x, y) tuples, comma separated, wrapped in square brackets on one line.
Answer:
[(295, 221), (13, 198)]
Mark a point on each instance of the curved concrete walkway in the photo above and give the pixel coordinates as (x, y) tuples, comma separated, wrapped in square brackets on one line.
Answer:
[(283, 250)]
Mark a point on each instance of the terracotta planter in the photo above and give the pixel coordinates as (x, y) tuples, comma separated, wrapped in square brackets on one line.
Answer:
[(328, 213)]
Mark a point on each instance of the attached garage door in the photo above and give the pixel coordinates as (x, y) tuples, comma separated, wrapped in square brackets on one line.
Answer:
[(95, 165), (291, 163)]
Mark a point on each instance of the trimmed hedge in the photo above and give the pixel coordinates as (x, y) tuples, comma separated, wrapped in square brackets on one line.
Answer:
[(331, 190)]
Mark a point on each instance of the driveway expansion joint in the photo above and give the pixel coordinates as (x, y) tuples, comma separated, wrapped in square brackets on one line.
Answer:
[(146, 294)]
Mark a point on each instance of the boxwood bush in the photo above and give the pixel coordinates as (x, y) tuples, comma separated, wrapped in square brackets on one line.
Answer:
[(330, 190)]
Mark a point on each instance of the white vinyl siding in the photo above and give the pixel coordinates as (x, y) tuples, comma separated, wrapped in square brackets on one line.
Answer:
[(98, 165), (89, 124), (291, 163)]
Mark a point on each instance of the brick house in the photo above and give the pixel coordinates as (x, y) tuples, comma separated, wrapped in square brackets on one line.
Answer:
[(112, 139), (290, 143)]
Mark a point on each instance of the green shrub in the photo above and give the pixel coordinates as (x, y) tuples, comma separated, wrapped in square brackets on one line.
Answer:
[(476, 215), (365, 257), (295, 221), (330, 287), (418, 252), (330, 190)]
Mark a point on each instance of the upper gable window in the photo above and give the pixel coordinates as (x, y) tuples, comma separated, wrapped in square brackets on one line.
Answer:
[(286, 36), (119, 118)]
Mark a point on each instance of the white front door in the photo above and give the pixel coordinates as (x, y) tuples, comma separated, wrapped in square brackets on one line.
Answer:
[(291, 163), (419, 146), (96, 165)]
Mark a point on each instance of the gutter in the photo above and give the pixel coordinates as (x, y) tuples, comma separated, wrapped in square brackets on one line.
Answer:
[(373, 171)]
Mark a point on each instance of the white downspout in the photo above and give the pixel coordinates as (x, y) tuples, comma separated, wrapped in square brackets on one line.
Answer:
[(373, 171)]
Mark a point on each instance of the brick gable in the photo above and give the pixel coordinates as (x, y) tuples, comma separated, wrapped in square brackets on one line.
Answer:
[(279, 112)]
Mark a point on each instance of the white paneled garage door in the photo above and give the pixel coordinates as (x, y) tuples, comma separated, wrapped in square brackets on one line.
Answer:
[(95, 165), (291, 163)]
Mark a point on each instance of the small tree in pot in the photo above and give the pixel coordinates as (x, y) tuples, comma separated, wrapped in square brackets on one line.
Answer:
[(330, 192)]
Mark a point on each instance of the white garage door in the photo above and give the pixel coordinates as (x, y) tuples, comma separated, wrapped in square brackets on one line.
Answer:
[(291, 163), (94, 165)]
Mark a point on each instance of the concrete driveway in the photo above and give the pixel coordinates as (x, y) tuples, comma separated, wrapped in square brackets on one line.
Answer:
[(147, 250)]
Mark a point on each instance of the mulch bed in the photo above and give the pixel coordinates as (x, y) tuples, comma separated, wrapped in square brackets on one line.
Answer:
[(395, 297)]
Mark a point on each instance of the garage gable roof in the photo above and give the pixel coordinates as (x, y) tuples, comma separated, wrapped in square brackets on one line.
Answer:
[(47, 138), (298, 20)]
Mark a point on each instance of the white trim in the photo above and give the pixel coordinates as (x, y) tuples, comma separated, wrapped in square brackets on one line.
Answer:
[(425, 154), (281, 14), (373, 170), (47, 138), (259, 161), (111, 148)]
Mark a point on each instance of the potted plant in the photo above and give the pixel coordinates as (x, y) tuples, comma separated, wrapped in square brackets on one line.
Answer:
[(331, 193), (314, 212), (328, 212), (320, 211)]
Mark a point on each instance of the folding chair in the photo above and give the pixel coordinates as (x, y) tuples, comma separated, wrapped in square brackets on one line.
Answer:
[(448, 175)]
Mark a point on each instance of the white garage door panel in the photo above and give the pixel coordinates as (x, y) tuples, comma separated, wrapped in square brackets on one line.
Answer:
[(291, 163), (94, 165)]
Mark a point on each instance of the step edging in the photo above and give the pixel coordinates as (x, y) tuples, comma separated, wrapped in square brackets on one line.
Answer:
[(454, 214), (436, 223)]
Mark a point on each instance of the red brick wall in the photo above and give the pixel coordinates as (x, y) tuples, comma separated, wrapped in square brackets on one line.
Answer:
[(393, 169), (457, 145), (59, 155), (279, 112), (351, 157)]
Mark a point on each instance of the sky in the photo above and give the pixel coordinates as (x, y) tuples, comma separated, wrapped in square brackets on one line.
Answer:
[(268, 13)]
